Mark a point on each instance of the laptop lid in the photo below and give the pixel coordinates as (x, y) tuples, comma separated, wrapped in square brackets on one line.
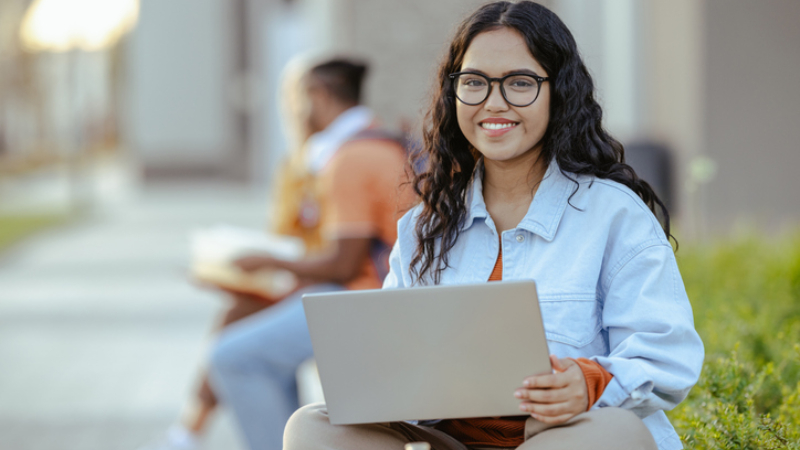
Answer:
[(427, 352)]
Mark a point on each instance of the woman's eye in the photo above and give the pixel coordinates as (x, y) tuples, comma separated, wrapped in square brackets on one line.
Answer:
[(474, 82), (521, 83)]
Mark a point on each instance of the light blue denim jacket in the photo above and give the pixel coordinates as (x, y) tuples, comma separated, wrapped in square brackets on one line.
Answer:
[(607, 280)]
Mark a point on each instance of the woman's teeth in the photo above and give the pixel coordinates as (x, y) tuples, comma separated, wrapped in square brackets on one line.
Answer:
[(497, 126)]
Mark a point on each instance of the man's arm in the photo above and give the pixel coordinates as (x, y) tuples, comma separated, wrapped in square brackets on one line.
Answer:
[(338, 265)]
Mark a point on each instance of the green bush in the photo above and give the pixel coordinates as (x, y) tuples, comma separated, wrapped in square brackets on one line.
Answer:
[(746, 300)]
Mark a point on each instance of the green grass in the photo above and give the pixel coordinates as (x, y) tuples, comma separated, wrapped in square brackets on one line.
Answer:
[(746, 299), (14, 228)]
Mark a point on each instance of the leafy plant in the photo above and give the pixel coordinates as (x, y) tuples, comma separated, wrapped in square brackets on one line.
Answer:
[(746, 299)]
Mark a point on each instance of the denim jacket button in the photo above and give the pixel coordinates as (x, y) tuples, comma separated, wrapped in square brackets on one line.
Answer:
[(520, 238)]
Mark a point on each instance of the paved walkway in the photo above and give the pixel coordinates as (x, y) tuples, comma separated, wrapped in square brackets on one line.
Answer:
[(100, 332)]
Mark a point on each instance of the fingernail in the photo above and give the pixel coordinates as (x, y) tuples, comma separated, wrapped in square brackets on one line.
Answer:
[(518, 394), (522, 408), (526, 383)]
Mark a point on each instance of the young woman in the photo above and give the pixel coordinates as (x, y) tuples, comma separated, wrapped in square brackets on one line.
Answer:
[(522, 182)]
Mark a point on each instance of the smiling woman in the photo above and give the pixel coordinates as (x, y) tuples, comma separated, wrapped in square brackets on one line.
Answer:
[(508, 38), (522, 182)]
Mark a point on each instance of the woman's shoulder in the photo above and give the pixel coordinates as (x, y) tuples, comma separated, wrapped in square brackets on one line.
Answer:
[(598, 188), (606, 200), (407, 223)]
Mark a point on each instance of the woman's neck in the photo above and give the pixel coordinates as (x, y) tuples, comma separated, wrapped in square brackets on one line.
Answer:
[(509, 187)]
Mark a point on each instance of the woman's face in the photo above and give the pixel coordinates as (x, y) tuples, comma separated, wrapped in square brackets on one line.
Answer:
[(499, 131)]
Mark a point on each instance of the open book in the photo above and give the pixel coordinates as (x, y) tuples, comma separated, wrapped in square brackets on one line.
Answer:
[(214, 249)]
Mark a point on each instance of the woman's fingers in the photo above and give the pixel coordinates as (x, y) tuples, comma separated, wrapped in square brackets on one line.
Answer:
[(556, 363), (553, 420), (251, 263), (543, 395), (557, 397), (561, 364), (568, 373), (549, 396), (547, 410), (548, 380)]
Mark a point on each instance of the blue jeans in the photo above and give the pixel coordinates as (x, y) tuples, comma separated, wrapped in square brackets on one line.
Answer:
[(253, 368)]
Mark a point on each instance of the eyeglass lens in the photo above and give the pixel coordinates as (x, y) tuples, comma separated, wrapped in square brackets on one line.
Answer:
[(518, 90)]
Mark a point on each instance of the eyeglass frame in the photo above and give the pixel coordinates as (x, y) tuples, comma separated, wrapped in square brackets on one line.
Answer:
[(539, 81)]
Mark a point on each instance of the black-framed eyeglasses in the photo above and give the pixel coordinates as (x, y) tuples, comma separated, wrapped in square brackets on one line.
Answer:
[(518, 89)]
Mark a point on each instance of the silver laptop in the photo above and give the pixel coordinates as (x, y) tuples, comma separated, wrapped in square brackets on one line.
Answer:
[(428, 352)]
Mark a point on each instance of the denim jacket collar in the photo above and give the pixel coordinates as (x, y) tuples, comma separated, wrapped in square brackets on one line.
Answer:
[(546, 210)]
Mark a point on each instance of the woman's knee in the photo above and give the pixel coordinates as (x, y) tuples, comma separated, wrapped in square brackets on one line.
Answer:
[(308, 425), (614, 417), (623, 423), (601, 429)]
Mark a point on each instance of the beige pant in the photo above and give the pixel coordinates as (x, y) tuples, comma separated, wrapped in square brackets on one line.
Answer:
[(606, 428)]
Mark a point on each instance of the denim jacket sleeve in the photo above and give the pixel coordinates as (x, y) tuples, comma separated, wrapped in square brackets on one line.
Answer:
[(394, 279), (399, 273), (655, 353)]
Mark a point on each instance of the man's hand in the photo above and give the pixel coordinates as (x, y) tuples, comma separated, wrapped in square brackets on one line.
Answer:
[(253, 263), (555, 398)]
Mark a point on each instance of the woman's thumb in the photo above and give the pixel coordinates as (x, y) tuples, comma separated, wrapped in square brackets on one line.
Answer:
[(556, 363)]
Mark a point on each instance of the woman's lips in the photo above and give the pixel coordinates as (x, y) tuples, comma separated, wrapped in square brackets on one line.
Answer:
[(497, 127)]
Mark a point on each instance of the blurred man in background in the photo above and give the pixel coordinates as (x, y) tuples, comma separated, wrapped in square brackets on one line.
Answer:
[(341, 190), (292, 193), (357, 191)]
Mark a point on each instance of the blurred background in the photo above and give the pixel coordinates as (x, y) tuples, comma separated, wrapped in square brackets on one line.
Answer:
[(124, 124)]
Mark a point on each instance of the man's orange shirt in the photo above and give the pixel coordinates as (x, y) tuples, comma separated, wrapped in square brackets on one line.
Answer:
[(363, 190)]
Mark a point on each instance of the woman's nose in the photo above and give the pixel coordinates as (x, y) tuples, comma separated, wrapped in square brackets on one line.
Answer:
[(495, 102)]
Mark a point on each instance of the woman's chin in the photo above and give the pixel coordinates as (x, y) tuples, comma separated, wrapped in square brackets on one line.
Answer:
[(505, 154)]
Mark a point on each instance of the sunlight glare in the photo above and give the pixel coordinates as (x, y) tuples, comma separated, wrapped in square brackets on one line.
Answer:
[(90, 25)]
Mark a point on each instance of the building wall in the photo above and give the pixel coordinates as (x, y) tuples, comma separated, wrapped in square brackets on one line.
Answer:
[(752, 104), (179, 63), (279, 32), (714, 80), (672, 66), (402, 40)]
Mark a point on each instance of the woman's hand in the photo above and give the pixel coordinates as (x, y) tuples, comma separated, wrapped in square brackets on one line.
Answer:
[(555, 398), (253, 263)]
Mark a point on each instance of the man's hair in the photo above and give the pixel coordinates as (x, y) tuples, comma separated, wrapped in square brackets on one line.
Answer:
[(342, 77)]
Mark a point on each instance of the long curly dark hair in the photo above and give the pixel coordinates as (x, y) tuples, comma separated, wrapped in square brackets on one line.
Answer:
[(574, 136)]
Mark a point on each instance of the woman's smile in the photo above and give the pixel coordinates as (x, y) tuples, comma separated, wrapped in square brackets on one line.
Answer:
[(496, 127)]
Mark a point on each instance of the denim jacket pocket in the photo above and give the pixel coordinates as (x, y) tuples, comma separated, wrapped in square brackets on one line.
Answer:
[(578, 318)]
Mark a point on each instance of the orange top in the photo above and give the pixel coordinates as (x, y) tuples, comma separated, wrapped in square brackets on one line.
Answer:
[(363, 191), (510, 431)]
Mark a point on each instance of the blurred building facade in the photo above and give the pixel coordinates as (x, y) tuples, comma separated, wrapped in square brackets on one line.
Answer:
[(52, 101), (710, 80)]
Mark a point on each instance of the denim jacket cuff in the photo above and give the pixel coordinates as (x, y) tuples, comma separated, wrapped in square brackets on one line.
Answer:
[(625, 393)]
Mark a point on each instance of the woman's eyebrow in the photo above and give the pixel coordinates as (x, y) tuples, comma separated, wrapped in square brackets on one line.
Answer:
[(522, 71), (525, 71), (470, 69)]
